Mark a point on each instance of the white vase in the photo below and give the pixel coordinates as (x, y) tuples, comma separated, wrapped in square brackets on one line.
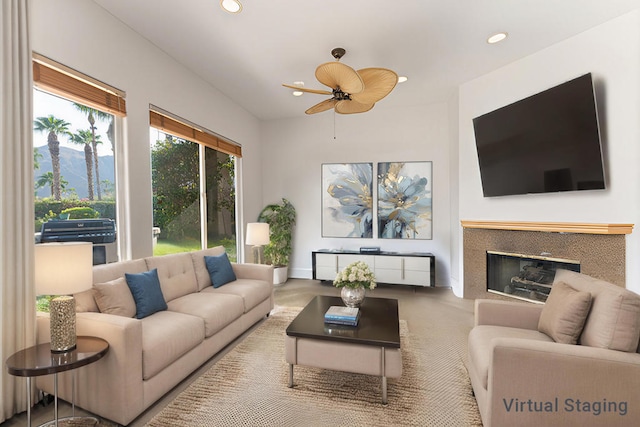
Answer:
[(352, 297)]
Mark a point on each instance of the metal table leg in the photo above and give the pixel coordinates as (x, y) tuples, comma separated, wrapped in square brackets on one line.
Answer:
[(384, 378), (290, 375), (29, 401)]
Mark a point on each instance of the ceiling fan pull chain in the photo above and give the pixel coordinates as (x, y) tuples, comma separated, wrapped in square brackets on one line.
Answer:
[(334, 124)]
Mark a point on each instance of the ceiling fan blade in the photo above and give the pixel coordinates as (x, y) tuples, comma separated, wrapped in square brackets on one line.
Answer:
[(352, 107), (322, 106), (338, 75), (304, 89), (378, 83)]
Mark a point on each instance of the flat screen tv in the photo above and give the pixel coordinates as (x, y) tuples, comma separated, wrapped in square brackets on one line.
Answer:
[(548, 142)]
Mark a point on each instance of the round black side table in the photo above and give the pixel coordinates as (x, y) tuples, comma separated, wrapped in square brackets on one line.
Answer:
[(39, 360)]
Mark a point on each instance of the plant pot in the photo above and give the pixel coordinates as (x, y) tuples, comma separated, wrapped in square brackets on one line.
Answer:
[(280, 275)]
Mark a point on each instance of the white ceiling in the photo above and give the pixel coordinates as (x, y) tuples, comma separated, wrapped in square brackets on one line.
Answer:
[(438, 44)]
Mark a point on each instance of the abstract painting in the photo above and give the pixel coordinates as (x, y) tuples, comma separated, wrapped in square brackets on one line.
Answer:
[(347, 200), (404, 200)]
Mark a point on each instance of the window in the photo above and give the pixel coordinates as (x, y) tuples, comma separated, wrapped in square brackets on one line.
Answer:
[(75, 118), (193, 181)]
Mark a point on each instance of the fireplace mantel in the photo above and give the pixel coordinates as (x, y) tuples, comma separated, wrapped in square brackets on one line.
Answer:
[(556, 227), (600, 248)]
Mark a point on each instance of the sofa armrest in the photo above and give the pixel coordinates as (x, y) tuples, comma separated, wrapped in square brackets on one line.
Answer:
[(253, 271), (507, 313), (112, 386), (576, 384)]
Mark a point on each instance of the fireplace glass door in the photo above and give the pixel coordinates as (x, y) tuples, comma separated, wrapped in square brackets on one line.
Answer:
[(526, 277)]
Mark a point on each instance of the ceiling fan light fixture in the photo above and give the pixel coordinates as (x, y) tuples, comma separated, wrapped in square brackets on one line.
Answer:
[(298, 92), (402, 79), (496, 38), (231, 6), (351, 91)]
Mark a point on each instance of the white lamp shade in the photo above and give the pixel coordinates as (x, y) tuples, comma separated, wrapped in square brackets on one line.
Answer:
[(257, 233), (63, 268)]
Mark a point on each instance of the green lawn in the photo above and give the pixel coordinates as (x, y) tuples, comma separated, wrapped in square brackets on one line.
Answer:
[(165, 247)]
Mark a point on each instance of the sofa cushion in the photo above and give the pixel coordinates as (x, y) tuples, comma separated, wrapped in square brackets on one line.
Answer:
[(176, 274), (103, 273), (481, 345), (203, 277), (564, 313), (145, 288), (219, 269), (167, 336), (253, 292), (216, 311), (114, 297), (614, 319), (85, 301)]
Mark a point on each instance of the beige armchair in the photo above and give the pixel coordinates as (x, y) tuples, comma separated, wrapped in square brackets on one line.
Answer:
[(522, 376)]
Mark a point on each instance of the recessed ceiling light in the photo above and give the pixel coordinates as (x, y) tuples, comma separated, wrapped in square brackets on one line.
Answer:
[(231, 6), (402, 79), (498, 37)]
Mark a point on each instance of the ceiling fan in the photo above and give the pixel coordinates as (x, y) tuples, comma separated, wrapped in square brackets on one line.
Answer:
[(351, 91)]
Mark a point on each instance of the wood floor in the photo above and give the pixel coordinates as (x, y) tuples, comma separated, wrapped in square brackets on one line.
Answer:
[(296, 293)]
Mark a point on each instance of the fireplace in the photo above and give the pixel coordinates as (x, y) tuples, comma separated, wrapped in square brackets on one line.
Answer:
[(600, 248), (525, 277)]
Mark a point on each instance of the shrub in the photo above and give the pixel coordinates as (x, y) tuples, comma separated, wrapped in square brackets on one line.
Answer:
[(80, 212)]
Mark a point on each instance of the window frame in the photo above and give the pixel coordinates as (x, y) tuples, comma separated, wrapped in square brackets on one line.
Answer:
[(181, 128)]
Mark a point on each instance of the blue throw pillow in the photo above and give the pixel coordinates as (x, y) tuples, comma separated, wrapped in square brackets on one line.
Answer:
[(220, 269), (146, 291)]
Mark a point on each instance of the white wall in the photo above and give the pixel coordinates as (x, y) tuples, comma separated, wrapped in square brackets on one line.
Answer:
[(456, 235), (295, 149), (81, 35), (611, 52)]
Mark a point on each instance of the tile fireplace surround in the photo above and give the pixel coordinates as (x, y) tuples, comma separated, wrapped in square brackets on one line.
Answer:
[(600, 248)]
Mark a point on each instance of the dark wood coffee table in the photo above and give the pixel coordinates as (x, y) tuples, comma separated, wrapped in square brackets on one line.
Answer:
[(372, 347)]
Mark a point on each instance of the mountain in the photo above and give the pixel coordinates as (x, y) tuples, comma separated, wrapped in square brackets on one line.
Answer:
[(73, 170)]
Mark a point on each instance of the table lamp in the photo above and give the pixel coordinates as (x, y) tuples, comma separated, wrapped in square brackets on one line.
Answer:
[(63, 269), (257, 235)]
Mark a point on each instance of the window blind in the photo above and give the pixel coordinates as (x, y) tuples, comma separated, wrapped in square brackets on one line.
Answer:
[(186, 131), (58, 79)]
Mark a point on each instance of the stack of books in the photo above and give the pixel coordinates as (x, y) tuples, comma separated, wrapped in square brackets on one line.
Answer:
[(339, 315)]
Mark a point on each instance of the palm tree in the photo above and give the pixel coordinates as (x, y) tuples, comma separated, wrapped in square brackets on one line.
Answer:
[(85, 137), (91, 114), (54, 127), (36, 158), (46, 179)]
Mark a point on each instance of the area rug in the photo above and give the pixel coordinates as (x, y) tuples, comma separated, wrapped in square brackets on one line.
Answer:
[(248, 387)]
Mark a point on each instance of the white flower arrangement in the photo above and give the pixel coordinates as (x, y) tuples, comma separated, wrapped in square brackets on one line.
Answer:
[(355, 275)]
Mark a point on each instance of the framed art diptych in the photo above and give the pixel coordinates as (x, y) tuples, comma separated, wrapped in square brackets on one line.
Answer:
[(404, 200), (347, 200)]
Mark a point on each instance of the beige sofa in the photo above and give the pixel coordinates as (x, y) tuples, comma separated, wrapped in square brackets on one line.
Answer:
[(522, 376), (149, 356)]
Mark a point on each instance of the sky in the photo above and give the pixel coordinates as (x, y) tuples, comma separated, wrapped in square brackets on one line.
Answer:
[(45, 104)]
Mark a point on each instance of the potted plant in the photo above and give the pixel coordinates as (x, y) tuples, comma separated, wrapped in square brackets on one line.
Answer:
[(281, 219)]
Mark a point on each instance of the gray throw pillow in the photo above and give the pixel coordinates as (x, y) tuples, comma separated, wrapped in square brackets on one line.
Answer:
[(114, 297), (564, 313)]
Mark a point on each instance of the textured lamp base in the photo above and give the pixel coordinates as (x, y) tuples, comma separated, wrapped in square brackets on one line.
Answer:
[(62, 312)]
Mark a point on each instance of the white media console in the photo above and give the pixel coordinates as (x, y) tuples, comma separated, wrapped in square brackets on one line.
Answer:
[(417, 269)]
